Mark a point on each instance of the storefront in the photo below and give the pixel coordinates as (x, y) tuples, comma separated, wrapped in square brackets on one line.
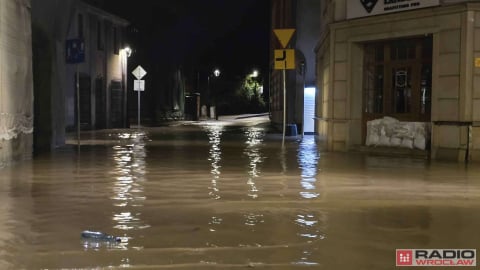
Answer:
[(416, 63)]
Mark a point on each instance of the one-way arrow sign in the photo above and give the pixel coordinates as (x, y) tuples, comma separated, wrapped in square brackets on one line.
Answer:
[(139, 72)]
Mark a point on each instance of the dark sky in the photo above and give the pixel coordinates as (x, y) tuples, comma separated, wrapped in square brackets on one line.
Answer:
[(198, 34)]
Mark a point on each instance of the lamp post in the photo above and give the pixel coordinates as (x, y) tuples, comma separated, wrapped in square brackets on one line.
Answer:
[(126, 53), (216, 73), (255, 86), (213, 110)]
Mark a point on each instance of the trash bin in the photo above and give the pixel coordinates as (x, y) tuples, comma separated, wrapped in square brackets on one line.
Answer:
[(291, 130), (192, 106)]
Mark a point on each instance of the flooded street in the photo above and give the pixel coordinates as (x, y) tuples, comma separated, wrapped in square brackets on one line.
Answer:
[(217, 195)]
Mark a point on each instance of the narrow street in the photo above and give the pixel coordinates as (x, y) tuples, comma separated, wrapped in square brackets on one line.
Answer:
[(226, 195)]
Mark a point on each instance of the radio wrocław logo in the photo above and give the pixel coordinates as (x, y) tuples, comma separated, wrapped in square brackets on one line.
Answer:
[(436, 257)]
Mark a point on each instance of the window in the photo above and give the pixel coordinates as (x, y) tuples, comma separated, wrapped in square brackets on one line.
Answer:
[(100, 42), (116, 48), (80, 26), (397, 79)]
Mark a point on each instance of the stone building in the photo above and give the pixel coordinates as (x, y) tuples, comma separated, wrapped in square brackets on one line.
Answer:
[(415, 60), (16, 82), (102, 72)]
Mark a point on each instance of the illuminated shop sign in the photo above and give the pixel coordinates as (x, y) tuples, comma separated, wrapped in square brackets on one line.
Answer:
[(363, 8)]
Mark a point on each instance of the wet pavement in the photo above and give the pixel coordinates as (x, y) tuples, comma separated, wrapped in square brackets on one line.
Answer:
[(227, 195)]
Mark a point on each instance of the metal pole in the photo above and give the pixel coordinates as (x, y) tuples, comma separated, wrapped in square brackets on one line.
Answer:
[(78, 107), (125, 96), (138, 108), (284, 107)]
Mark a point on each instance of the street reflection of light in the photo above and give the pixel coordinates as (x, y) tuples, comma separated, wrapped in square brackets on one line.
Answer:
[(308, 161), (309, 228), (255, 136), (98, 244), (252, 219), (214, 133), (215, 221), (127, 221), (128, 188), (303, 220)]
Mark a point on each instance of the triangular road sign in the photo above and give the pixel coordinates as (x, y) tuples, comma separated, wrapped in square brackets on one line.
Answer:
[(284, 35)]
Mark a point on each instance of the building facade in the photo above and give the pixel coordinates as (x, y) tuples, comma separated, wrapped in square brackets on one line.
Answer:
[(417, 61), (101, 73), (301, 15), (16, 81)]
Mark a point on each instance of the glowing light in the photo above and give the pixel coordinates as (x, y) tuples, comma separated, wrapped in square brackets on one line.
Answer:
[(128, 51)]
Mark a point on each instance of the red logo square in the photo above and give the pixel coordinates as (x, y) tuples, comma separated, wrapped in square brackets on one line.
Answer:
[(404, 257)]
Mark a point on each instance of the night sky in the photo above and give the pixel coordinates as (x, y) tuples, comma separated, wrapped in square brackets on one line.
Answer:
[(197, 34)]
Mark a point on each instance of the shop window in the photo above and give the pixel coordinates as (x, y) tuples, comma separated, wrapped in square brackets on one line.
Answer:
[(397, 79)]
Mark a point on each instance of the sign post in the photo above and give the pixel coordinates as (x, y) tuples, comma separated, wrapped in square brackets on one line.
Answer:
[(75, 54), (284, 59), (139, 86)]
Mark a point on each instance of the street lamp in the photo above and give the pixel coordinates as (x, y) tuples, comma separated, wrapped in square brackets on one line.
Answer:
[(126, 53), (213, 110), (253, 76), (216, 72)]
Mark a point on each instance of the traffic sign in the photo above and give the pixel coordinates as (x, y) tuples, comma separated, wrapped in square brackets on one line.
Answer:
[(75, 51), (284, 35), (139, 72), (139, 85), (284, 59)]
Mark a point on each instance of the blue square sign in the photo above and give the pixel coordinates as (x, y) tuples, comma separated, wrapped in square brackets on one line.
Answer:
[(75, 51)]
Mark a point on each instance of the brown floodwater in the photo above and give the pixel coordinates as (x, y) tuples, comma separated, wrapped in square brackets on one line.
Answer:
[(222, 196)]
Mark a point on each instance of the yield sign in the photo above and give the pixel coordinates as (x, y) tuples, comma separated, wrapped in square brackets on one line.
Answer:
[(139, 72), (284, 35)]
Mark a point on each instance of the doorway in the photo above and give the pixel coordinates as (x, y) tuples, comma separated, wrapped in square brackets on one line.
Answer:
[(309, 111)]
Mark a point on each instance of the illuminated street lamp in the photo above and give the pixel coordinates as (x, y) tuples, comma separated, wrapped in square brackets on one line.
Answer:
[(216, 73), (126, 53)]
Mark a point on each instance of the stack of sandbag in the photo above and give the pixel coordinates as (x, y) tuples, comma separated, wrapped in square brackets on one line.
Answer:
[(388, 131)]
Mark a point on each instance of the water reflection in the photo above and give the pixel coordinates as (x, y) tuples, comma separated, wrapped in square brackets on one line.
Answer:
[(308, 161), (215, 222), (255, 136), (98, 244), (252, 219), (310, 226), (214, 133), (128, 189)]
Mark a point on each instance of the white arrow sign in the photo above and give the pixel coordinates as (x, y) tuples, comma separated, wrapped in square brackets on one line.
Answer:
[(139, 72)]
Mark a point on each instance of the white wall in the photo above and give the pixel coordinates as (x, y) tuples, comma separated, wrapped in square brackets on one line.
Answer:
[(16, 81)]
